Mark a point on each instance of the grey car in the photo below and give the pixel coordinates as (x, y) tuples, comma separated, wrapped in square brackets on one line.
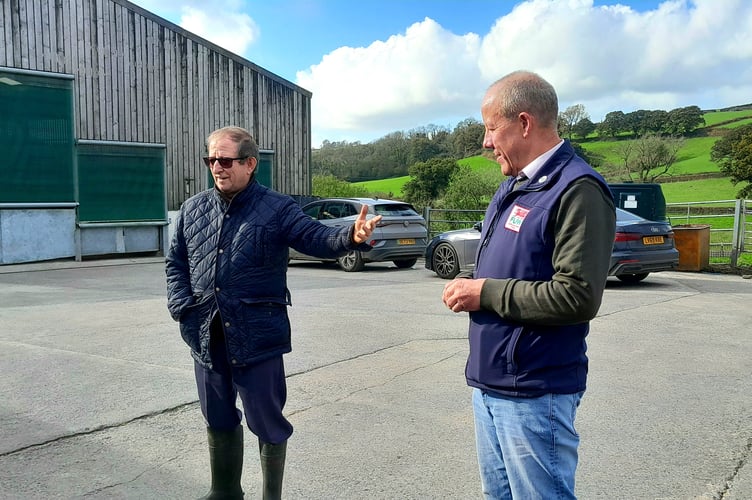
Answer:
[(400, 236), (641, 247)]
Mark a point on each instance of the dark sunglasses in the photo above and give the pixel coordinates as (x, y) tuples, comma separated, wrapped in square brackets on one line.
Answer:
[(223, 162)]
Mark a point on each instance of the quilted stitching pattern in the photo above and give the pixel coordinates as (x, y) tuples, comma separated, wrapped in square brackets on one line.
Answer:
[(231, 259)]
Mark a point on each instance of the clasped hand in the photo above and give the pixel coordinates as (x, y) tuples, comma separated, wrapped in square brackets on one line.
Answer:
[(463, 294)]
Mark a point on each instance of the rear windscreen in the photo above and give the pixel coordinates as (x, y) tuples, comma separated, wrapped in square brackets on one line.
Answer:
[(392, 209)]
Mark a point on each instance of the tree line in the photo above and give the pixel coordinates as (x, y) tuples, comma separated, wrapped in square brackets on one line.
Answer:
[(429, 156), (393, 154)]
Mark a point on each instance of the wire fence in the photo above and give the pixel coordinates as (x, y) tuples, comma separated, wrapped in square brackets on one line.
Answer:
[(730, 224)]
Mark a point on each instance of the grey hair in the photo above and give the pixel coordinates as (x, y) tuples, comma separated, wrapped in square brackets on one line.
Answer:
[(525, 91), (247, 146)]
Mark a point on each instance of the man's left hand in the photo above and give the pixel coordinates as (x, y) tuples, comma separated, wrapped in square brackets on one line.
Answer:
[(363, 227)]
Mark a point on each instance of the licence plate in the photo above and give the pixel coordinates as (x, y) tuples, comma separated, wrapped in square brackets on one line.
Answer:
[(406, 242), (652, 240)]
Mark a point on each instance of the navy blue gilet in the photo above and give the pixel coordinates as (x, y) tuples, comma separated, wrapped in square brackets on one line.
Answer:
[(517, 241)]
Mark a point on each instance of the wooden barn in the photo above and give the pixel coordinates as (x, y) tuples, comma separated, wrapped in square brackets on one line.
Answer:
[(109, 106)]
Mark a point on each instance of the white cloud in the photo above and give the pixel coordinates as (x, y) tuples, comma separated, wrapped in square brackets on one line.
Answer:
[(222, 22), (233, 31), (685, 52), (614, 58), (606, 57), (409, 80)]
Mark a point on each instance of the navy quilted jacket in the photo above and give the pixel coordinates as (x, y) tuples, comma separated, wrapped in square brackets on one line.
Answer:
[(231, 258)]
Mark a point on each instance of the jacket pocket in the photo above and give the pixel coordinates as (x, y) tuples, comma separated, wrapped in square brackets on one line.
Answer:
[(266, 323), (193, 319), (511, 353)]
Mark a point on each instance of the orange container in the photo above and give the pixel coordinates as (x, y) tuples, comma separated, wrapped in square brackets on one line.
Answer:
[(693, 243)]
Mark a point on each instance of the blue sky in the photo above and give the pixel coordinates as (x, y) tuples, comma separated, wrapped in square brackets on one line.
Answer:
[(379, 66)]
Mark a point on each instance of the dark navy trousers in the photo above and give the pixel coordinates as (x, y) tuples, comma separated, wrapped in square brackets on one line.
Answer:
[(261, 387)]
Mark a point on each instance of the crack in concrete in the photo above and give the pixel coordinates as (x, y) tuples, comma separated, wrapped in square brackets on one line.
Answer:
[(97, 429), (381, 384), (166, 411), (640, 306), (729, 481), (370, 353), (134, 478)]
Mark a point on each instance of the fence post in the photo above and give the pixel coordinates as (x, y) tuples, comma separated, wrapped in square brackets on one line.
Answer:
[(737, 240)]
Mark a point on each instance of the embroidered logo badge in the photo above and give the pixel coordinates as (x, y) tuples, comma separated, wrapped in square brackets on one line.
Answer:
[(516, 218)]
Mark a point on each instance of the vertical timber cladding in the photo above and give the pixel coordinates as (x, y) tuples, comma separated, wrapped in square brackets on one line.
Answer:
[(36, 128), (141, 79)]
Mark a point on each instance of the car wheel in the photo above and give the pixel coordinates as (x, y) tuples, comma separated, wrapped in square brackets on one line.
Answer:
[(632, 278), (444, 261), (405, 263), (351, 262)]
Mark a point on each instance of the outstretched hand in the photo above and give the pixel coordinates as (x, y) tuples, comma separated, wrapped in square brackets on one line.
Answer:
[(364, 228)]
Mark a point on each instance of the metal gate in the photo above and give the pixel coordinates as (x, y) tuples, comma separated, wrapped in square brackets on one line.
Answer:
[(730, 224)]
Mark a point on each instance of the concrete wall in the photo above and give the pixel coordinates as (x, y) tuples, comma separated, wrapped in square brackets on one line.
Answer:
[(33, 234)]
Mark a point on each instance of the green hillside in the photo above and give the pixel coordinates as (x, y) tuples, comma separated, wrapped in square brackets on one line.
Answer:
[(394, 184), (694, 160)]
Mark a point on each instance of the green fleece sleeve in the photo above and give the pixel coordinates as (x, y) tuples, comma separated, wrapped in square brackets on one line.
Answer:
[(584, 227)]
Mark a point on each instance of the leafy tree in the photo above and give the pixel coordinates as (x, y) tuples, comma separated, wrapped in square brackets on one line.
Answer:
[(471, 189), (654, 122), (593, 159), (733, 153), (682, 121), (467, 138), (569, 117), (328, 186), (613, 124), (428, 180), (391, 155), (648, 157), (634, 121), (422, 149), (583, 128)]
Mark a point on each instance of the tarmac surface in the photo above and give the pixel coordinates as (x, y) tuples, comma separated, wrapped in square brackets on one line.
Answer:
[(98, 401)]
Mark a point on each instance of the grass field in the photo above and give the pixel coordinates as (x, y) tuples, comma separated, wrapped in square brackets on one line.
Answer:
[(699, 190), (693, 158), (716, 117), (394, 184)]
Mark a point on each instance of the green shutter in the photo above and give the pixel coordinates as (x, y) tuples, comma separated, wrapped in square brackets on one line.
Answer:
[(121, 182), (37, 136)]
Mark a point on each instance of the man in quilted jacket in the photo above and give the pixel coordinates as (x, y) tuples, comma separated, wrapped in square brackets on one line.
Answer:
[(227, 287)]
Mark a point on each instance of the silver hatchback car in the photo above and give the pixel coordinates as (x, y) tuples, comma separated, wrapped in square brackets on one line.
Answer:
[(400, 237)]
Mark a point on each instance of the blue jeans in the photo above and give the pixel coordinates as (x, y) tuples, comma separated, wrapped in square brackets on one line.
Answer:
[(527, 447)]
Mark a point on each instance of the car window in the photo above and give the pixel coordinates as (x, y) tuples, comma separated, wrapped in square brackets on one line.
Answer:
[(402, 209), (312, 210), (624, 216), (337, 209)]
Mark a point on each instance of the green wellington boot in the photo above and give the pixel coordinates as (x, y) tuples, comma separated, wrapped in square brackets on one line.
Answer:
[(226, 458), (272, 468)]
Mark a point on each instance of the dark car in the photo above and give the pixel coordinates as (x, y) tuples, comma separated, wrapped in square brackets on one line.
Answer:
[(399, 237), (641, 247)]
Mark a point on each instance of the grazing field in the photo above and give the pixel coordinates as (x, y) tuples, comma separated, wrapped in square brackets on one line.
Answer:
[(693, 160)]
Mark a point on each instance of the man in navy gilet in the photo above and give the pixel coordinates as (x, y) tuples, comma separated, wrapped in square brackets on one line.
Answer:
[(540, 273)]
